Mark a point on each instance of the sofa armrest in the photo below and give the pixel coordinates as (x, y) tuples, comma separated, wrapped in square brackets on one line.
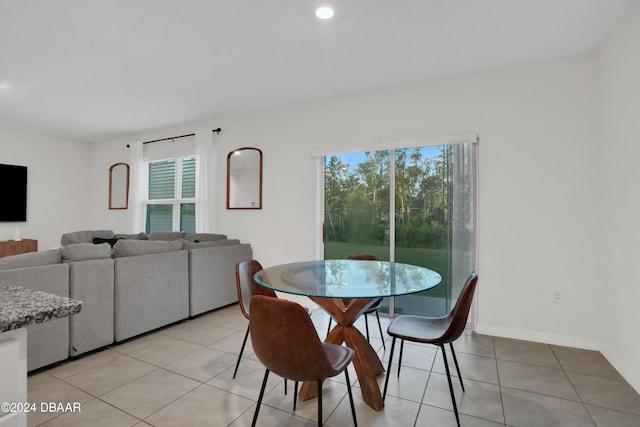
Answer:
[(91, 281), (212, 276), (150, 291), (47, 342)]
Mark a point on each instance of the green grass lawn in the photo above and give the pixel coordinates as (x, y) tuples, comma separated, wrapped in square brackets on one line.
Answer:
[(434, 259)]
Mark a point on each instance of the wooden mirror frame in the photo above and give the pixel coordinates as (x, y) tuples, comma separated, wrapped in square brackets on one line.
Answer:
[(230, 199), (119, 186)]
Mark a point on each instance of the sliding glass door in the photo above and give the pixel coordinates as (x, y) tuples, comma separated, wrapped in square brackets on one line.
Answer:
[(356, 219), (411, 205)]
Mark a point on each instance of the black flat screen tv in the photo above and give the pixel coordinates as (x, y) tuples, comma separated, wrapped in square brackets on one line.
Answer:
[(13, 193)]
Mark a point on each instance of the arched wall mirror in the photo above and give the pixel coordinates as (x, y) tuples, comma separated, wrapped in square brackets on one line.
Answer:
[(119, 186), (244, 178)]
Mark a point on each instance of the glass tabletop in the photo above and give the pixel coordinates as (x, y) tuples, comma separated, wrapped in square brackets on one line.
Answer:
[(348, 278)]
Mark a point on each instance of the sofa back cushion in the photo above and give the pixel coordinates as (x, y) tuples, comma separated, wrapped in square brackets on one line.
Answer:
[(84, 251), (31, 259), (212, 244), (138, 236), (167, 235), (204, 237), (100, 240), (125, 248), (85, 236)]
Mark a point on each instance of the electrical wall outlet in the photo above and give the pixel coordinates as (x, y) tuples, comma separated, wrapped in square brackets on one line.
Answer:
[(556, 296)]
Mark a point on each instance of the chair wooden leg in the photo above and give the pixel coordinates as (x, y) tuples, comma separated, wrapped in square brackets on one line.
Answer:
[(453, 396), (455, 359), (244, 342), (319, 403), (295, 394), (353, 408), (264, 385), (366, 326), (386, 379), (381, 334), (400, 358)]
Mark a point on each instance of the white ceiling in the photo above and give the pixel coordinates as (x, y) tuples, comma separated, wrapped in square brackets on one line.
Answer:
[(94, 70)]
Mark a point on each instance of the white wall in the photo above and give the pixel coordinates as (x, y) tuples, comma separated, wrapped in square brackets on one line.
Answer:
[(556, 206), (102, 157), (620, 156), (538, 136), (58, 189)]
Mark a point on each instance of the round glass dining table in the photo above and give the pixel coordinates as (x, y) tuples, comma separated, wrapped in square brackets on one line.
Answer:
[(345, 289)]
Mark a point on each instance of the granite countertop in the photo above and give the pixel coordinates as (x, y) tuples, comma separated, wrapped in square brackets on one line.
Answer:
[(20, 307)]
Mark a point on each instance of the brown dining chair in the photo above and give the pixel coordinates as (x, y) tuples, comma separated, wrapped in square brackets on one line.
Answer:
[(247, 287), (285, 340), (435, 330), (374, 306)]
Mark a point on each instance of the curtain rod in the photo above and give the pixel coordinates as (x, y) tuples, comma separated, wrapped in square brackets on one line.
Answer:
[(175, 137)]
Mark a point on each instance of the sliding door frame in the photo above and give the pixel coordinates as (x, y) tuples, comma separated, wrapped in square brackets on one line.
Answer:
[(320, 155)]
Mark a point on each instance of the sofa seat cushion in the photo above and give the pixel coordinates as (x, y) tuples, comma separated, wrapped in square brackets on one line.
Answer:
[(126, 248), (85, 236), (31, 259), (84, 251)]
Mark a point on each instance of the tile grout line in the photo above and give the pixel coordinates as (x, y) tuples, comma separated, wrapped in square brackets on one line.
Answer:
[(495, 353), (426, 386), (503, 390), (573, 387)]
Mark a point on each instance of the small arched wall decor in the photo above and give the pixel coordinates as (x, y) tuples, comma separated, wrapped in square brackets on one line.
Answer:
[(119, 186), (244, 178)]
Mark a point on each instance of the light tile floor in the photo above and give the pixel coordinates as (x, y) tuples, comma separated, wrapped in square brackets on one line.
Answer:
[(182, 376)]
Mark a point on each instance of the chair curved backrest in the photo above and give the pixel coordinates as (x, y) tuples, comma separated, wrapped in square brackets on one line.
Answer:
[(286, 342), (458, 316), (246, 286)]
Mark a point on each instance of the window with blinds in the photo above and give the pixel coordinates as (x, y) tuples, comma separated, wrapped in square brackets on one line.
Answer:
[(171, 195)]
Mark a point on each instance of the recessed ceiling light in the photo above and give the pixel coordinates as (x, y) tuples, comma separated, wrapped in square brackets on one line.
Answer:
[(324, 12)]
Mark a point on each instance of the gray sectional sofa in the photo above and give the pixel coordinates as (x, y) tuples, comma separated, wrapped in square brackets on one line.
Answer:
[(128, 285)]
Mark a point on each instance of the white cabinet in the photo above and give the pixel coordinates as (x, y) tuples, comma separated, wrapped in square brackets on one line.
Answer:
[(13, 375)]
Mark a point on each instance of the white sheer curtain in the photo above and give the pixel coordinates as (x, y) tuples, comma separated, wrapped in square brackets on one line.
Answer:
[(462, 245), (204, 176), (136, 189)]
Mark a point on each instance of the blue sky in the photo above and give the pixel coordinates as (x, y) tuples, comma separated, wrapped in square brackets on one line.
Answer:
[(353, 159)]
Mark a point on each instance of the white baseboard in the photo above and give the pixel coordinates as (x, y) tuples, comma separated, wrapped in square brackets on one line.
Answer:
[(518, 334), (632, 377), (562, 340)]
